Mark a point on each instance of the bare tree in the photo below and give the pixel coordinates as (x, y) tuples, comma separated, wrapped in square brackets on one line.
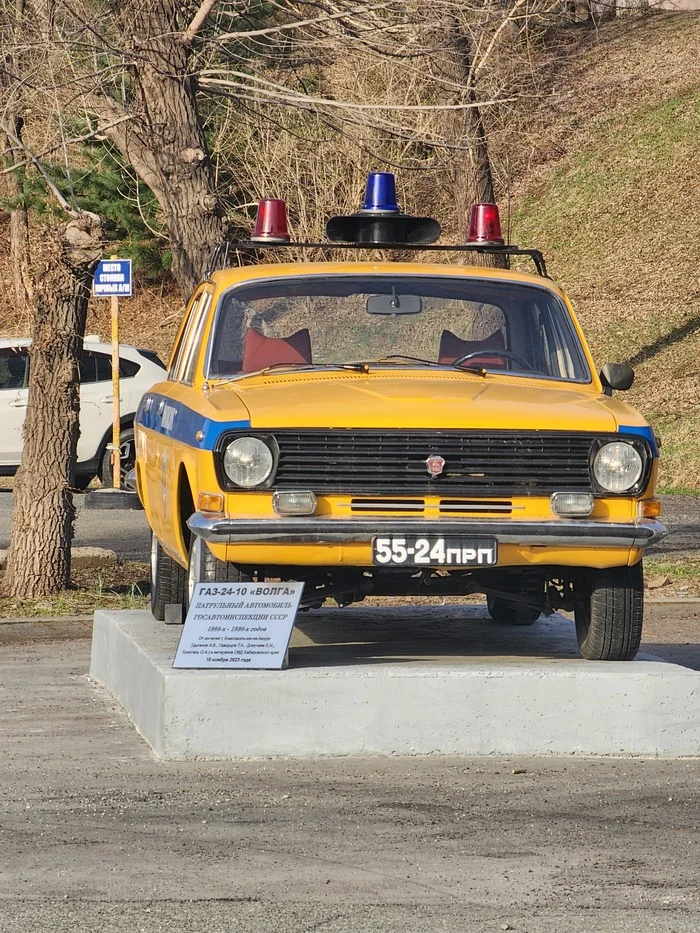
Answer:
[(55, 281)]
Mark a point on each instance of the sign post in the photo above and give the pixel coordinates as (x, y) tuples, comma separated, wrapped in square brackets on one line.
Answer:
[(116, 390), (113, 279)]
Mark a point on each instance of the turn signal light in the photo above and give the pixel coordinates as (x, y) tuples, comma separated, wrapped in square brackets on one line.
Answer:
[(572, 504), (650, 508), (294, 503), (210, 502)]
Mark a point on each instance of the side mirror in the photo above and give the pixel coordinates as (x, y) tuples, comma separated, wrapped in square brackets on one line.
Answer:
[(616, 376)]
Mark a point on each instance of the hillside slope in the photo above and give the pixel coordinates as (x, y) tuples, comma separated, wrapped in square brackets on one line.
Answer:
[(617, 215)]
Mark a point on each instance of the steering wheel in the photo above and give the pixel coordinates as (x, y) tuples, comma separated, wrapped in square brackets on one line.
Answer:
[(508, 354)]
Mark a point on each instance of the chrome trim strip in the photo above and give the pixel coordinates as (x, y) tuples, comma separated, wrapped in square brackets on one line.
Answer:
[(320, 530)]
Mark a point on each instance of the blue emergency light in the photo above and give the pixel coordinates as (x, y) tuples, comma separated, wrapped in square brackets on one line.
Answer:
[(380, 194), (380, 219)]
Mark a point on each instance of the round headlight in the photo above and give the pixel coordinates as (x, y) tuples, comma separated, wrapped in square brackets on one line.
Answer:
[(617, 467), (248, 461)]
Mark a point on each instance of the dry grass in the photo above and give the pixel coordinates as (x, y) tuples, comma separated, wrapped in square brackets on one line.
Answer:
[(122, 586)]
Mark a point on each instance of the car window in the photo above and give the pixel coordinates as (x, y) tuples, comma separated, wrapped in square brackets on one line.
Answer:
[(13, 368), (185, 334), (103, 366), (194, 343), (127, 368)]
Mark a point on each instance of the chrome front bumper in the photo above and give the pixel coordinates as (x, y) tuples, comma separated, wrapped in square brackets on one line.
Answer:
[(313, 530)]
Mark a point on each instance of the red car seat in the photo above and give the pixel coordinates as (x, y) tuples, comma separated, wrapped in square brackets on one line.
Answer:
[(260, 351)]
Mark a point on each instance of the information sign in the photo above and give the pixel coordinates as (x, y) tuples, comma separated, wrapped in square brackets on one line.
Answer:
[(112, 278), (239, 625)]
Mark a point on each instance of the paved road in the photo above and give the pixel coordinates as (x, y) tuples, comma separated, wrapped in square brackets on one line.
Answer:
[(125, 532), (97, 835)]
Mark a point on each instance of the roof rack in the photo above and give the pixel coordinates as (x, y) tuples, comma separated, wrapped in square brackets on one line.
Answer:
[(219, 259)]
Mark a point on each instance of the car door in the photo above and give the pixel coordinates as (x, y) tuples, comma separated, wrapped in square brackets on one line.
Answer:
[(14, 396)]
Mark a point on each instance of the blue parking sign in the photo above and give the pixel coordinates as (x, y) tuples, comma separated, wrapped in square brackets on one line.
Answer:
[(112, 278)]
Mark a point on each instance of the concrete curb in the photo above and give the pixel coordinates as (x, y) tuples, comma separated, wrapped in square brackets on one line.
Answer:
[(112, 499)]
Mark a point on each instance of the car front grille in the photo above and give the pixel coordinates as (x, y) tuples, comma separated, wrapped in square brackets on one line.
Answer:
[(497, 463)]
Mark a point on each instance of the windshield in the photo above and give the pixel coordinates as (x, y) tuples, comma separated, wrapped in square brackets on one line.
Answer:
[(320, 320)]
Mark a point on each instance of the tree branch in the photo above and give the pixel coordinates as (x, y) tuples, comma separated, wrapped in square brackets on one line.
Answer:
[(197, 21), (68, 142), (38, 165)]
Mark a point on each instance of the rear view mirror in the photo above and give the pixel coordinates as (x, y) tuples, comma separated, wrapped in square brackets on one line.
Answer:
[(394, 304), (616, 376)]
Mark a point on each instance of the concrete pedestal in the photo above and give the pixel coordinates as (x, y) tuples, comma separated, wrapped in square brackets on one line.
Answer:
[(399, 681)]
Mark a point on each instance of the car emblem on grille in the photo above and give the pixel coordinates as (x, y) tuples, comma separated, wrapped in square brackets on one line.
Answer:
[(435, 464)]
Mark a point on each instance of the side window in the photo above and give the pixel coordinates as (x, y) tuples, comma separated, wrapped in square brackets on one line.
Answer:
[(195, 342), (103, 367), (13, 368), (86, 369), (128, 369), (178, 353)]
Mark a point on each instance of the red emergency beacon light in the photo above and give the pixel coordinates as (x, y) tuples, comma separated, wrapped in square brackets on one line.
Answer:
[(271, 222), (485, 226)]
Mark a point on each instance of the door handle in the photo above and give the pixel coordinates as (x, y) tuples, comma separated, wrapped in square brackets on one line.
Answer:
[(110, 398), (18, 403)]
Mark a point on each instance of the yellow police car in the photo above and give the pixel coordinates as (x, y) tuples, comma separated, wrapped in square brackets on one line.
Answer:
[(398, 428)]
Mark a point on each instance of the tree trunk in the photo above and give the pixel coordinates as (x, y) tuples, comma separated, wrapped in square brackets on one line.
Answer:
[(42, 527), (165, 141), (473, 178)]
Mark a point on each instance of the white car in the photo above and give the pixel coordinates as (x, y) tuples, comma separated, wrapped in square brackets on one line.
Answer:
[(138, 369)]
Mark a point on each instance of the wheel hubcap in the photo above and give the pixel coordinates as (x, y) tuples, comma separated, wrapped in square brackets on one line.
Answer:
[(194, 569), (154, 560)]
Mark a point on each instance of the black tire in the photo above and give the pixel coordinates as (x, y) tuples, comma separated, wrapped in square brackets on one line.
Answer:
[(610, 614), (168, 581), (205, 568), (509, 613), (127, 448), (82, 481)]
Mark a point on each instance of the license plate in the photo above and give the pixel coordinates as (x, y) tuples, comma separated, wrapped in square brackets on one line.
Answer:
[(433, 551)]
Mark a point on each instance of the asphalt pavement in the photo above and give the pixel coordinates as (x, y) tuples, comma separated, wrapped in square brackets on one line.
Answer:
[(124, 531)]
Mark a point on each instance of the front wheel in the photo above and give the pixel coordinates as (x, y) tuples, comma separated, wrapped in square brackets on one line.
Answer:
[(510, 613), (203, 567), (609, 613), (167, 581)]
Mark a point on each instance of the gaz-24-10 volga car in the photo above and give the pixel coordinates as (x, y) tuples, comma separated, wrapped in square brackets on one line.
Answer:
[(393, 428)]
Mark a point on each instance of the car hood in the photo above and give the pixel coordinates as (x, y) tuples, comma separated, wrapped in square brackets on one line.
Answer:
[(421, 401)]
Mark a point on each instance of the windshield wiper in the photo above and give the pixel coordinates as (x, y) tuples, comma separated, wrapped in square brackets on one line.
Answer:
[(296, 367), (398, 357), (401, 357), (477, 370)]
